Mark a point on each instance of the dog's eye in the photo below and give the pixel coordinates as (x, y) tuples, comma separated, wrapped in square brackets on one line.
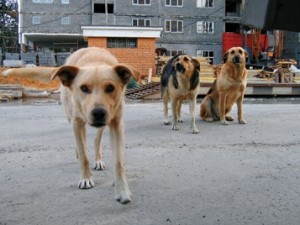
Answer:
[(109, 88), (186, 59), (85, 89), (232, 52), (240, 51)]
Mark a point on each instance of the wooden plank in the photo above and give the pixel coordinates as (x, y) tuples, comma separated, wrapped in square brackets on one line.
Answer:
[(11, 87), (12, 93)]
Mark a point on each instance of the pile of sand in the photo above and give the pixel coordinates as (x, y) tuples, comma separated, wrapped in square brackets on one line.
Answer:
[(28, 83)]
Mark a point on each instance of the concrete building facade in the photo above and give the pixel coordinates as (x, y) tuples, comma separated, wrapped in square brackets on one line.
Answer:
[(193, 27)]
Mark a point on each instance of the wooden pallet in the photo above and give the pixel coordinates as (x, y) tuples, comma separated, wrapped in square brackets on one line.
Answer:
[(143, 90)]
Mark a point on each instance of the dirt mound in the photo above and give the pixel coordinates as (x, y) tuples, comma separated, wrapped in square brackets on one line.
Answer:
[(28, 82)]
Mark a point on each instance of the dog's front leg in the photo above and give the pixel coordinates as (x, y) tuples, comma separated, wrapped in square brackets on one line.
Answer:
[(122, 192), (178, 110), (99, 163), (240, 109), (165, 100), (85, 180), (192, 114), (222, 106), (174, 103)]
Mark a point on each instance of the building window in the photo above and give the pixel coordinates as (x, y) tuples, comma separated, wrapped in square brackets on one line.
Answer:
[(121, 42), (36, 20), (43, 1), (205, 27), (141, 2), (206, 54), (141, 22), (205, 3), (175, 3), (65, 2), (175, 52), (65, 20), (100, 8), (174, 26)]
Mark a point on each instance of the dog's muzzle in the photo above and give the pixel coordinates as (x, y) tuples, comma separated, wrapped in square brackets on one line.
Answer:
[(236, 60), (180, 68), (98, 117)]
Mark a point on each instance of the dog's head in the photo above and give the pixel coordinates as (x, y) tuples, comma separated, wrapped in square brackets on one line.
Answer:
[(185, 64), (235, 55), (97, 92)]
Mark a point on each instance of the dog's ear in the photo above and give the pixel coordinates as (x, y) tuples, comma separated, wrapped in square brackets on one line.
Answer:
[(66, 74), (225, 57), (196, 63), (246, 55), (125, 72)]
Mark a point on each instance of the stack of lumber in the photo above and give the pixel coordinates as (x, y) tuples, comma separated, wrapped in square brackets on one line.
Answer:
[(206, 69), (10, 91)]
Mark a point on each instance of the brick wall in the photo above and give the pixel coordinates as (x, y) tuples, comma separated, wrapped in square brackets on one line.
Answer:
[(142, 58)]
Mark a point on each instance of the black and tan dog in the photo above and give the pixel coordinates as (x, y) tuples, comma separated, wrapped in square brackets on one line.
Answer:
[(228, 88), (92, 92), (180, 81)]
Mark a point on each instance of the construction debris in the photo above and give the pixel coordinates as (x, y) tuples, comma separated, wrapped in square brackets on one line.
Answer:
[(264, 74), (143, 90), (284, 72), (10, 91)]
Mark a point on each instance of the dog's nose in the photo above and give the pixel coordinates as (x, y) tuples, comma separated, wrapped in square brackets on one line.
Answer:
[(180, 68), (236, 60), (99, 117)]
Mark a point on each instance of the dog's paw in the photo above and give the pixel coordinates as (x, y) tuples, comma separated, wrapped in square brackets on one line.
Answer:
[(229, 118), (175, 127), (195, 130), (86, 183), (209, 119), (122, 194), (179, 120), (123, 197), (166, 122), (99, 165), (224, 122), (242, 121)]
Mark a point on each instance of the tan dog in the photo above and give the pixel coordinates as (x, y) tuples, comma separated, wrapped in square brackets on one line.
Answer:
[(228, 88), (92, 92), (180, 81)]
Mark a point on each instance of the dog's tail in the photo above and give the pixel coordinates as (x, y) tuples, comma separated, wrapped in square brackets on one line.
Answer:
[(37, 73), (205, 108)]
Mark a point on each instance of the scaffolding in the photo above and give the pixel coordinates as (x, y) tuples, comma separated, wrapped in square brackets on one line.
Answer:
[(9, 26)]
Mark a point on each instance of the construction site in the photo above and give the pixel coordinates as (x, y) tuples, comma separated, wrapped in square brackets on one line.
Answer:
[(268, 73), (282, 78)]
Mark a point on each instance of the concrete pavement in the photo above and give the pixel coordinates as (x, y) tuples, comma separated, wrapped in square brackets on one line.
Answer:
[(227, 175)]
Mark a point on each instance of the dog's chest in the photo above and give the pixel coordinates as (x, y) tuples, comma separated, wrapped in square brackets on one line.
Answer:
[(184, 90)]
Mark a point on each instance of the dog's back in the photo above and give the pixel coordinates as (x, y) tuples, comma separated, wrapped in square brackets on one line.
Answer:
[(91, 56)]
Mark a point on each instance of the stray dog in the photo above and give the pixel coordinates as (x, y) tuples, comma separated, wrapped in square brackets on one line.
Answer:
[(180, 81), (92, 92), (229, 87)]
